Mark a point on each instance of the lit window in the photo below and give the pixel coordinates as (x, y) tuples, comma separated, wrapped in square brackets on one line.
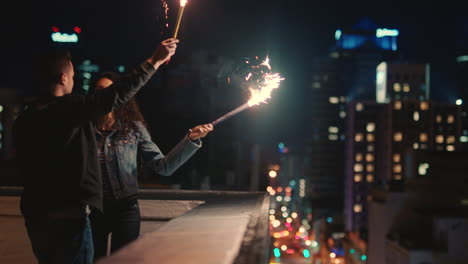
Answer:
[(397, 168), (416, 116), (358, 167), (369, 157), (1, 108), (438, 118), (342, 114), (464, 139), (358, 177), (451, 140), (439, 139), (424, 106), (423, 137), (370, 127), (359, 137), (316, 85), (334, 100), (333, 137), (406, 88), (396, 158), (370, 168), (416, 145), (370, 177), (450, 148), (398, 136), (397, 87), (370, 137), (459, 102), (450, 119), (358, 157), (397, 105), (370, 148), (357, 208), (342, 99), (397, 177), (359, 107), (333, 129), (422, 169)]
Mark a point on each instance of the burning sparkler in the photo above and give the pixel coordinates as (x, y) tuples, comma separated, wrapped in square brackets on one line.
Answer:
[(262, 83), (179, 17)]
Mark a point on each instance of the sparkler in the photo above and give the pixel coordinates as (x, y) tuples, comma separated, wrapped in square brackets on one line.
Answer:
[(263, 83), (179, 18)]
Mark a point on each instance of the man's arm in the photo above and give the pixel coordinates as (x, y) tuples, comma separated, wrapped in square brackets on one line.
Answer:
[(105, 100)]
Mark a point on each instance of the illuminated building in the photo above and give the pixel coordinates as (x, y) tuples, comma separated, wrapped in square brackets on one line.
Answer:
[(462, 85), (365, 130), (380, 134), (402, 81), (346, 74), (427, 222)]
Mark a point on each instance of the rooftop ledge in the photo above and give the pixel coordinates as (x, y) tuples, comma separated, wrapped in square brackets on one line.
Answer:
[(183, 226)]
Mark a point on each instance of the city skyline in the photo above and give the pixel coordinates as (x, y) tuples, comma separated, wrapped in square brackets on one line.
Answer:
[(292, 35)]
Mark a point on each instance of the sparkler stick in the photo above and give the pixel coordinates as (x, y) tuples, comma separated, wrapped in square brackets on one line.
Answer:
[(179, 18), (230, 114)]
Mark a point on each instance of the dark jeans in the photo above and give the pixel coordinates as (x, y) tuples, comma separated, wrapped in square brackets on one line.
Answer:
[(122, 219), (61, 241)]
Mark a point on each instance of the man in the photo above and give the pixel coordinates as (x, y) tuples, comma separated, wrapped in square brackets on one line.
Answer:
[(57, 150)]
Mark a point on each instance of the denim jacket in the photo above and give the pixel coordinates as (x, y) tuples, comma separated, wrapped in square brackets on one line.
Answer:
[(122, 149)]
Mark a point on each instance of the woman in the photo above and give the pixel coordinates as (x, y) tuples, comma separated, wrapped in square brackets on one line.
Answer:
[(122, 139)]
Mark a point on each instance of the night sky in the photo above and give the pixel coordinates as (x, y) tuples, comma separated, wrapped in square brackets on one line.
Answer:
[(292, 32)]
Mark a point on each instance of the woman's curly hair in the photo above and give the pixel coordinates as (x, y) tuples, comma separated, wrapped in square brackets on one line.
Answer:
[(127, 113)]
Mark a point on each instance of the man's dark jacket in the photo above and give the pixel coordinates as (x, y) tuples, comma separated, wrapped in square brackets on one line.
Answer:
[(56, 146)]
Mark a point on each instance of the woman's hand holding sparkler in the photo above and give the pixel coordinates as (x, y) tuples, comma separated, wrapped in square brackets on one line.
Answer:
[(164, 52), (200, 131)]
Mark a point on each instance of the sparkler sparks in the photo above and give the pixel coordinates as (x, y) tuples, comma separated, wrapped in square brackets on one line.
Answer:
[(166, 9), (260, 82), (260, 94), (162, 19)]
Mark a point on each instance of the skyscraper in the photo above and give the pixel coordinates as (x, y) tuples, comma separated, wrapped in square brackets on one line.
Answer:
[(405, 121), (348, 73)]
